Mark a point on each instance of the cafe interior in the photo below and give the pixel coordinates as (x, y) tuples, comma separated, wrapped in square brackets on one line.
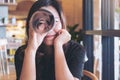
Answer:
[(96, 22)]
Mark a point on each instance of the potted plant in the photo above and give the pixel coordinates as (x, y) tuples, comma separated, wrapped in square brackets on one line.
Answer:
[(75, 35)]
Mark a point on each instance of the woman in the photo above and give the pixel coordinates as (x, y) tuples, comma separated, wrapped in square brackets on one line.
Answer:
[(50, 55)]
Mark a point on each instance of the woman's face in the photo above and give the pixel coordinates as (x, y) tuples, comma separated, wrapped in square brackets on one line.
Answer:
[(49, 39)]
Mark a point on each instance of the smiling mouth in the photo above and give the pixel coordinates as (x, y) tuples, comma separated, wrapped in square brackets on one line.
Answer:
[(50, 37)]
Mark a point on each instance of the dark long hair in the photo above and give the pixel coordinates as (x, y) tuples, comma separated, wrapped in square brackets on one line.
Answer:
[(42, 3)]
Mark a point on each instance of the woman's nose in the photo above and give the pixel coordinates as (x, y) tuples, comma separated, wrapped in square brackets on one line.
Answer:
[(56, 28), (51, 31)]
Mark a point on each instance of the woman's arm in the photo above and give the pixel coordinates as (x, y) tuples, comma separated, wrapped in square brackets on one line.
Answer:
[(35, 39), (62, 71), (28, 69)]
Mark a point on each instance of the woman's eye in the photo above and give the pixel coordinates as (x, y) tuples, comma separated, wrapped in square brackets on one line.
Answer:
[(56, 20), (42, 21)]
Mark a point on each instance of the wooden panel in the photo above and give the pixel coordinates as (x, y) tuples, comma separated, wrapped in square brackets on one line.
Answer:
[(96, 14), (73, 11), (111, 33), (68, 10)]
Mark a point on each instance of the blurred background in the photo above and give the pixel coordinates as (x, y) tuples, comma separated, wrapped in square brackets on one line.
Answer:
[(93, 23)]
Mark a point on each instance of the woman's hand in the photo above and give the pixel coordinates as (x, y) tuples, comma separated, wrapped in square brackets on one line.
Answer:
[(35, 36), (63, 37)]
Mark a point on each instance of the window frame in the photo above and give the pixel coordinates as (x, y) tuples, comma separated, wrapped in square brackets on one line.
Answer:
[(107, 33)]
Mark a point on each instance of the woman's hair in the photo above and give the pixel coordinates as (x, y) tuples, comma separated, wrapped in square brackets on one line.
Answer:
[(43, 3)]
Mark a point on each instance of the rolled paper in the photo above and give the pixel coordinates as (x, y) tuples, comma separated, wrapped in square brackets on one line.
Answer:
[(43, 20)]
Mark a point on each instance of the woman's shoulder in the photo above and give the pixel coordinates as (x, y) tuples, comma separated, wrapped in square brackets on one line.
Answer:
[(20, 52), (75, 48), (75, 45), (21, 49), (75, 51)]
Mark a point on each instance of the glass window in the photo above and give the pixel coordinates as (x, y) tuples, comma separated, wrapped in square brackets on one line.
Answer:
[(97, 39), (106, 40), (97, 15), (117, 15), (97, 56), (117, 58), (117, 40)]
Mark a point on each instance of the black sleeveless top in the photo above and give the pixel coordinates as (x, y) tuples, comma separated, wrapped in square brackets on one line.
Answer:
[(45, 67)]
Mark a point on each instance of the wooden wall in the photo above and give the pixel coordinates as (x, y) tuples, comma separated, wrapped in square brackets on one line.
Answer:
[(96, 14), (73, 11)]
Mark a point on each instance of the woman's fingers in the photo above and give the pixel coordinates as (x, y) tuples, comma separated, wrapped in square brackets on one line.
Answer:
[(63, 36), (35, 37)]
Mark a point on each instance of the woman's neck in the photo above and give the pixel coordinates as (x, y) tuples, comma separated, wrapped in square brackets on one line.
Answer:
[(48, 50)]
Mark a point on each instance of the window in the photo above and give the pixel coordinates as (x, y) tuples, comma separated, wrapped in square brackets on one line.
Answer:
[(117, 40), (102, 32), (97, 51), (7, 1)]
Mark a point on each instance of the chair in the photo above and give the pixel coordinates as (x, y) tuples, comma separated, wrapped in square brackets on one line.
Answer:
[(90, 75)]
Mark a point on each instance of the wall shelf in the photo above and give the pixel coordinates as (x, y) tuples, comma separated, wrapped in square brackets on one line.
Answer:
[(8, 4), (5, 25)]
